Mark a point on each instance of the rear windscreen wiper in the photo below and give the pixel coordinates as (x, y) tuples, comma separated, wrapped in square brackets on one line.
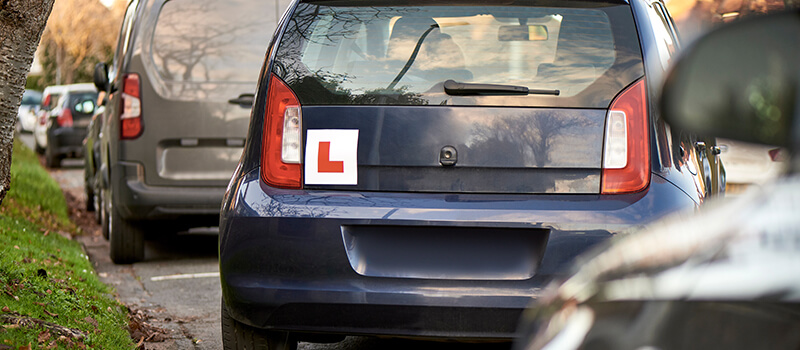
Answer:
[(452, 87)]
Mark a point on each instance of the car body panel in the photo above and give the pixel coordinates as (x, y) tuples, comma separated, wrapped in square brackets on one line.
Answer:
[(525, 150), (300, 239)]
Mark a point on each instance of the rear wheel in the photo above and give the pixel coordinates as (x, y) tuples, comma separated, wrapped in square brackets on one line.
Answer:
[(126, 240), (88, 188), (51, 160), (104, 200), (238, 336)]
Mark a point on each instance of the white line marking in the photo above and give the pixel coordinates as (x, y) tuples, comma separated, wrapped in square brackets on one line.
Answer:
[(185, 276)]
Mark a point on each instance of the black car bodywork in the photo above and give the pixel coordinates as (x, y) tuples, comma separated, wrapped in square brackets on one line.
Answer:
[(67, 124), (454, 222)]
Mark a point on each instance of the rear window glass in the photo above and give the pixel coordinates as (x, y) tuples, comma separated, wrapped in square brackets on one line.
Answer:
[(199, 44), (402, 54), (79, 97), (31, 98)]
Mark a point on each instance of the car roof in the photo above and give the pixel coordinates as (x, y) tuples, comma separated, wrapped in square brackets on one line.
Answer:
[(88, 87), (69, 88)]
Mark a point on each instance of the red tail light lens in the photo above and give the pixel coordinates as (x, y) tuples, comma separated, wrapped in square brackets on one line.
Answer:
[(64, 119), (280, 158), (626, 156), (130, 118)]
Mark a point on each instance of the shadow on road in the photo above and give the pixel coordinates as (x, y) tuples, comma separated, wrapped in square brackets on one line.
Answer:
[(182, 246)]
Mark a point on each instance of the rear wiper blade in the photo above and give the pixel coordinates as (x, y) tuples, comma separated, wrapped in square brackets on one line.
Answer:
[(451, 87)]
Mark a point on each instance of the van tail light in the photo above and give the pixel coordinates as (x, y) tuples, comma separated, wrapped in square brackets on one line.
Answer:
[(64, 119), (131, 117), (626, 150), (282, 144)]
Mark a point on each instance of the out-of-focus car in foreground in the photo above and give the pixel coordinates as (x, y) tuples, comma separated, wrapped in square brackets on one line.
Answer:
[(419, 169), (726, 278), (28, 109)]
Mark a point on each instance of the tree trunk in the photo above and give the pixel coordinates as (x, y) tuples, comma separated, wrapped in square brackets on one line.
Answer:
[(21, 26)]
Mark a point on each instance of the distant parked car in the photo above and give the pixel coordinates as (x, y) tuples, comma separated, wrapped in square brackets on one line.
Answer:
[(169, 139), (26, 115), (50, 97), (67, 122), (91, 161), (418, 169)]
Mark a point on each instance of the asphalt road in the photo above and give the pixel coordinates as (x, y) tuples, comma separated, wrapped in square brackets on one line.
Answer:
[(177, 286)]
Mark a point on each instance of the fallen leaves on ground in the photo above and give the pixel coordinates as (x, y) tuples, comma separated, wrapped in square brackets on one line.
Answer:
[(142, 331)]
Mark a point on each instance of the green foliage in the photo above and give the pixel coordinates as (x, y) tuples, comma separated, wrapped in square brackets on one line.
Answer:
[(32, 83), (46, 276)]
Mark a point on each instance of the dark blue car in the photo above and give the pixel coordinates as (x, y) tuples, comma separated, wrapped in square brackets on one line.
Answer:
[(421, 169)]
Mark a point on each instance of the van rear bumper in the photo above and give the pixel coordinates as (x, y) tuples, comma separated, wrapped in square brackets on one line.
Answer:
[(138, 201)]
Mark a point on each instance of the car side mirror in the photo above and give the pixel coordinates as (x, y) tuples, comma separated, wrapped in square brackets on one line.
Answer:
[(101, 76), (741, 81)]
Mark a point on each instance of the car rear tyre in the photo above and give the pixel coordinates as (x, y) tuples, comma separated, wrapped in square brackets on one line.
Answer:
[(36, 147), (104, 200), (89, 190), (126, 241), (238, 336), (51, 160), (97, 202)]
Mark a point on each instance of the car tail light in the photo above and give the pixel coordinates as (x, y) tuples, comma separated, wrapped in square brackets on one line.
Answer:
[(130, 118), (282, 143), (626, 151), (64, 119)]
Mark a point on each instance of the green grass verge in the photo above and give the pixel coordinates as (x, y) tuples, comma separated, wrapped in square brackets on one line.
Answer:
[(46, 276)]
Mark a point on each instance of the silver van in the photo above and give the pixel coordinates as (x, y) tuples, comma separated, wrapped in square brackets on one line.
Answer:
[(170, 139)]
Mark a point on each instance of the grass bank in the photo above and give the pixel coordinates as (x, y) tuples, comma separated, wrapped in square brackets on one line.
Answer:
[(50, 297)]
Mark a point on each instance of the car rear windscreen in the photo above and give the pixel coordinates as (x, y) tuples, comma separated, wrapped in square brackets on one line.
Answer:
[(76, 98), (341, 53), (202, 47)]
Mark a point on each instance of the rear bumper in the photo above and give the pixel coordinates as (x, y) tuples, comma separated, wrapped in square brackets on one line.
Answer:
[(66, 141), (139, 201), (290, 260)]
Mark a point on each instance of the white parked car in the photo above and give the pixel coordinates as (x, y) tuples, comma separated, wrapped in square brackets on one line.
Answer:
[(50, 97), (26, 115)]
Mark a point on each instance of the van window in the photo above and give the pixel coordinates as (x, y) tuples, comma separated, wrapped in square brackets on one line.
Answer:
[(403, 54), (200, 43), (50, 101)]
